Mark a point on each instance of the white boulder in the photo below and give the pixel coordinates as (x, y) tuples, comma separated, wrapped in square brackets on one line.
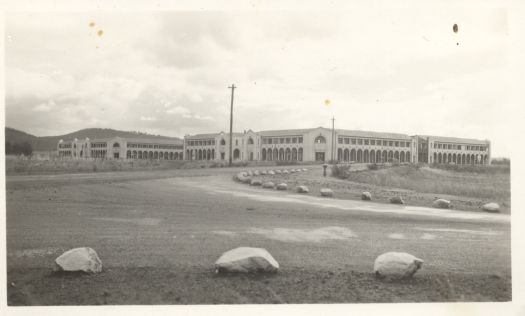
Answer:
[(441, 203), (366, 196), (302, 189), (256, 182), (256, 173), (397, 264), (264, 172), (327, 192), (271, 172), (397, 200), (268, 185), (278, 172), (246, 260), (304, 169), (250, 173), (491, 207), (285, 171), (282, 186), (79, 259)]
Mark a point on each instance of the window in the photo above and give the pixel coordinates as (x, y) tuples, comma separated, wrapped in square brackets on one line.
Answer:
[(396, 144), (390, 143), (347, 140), (353, 141), (407, 144), (366, 141), (385, 143), (236, 142), (114, 146), (294, 140), (339, 140), (373, 142), (300, 140), (360, 141), (250, 141), (288, 140), (269, 140), (223, 142), (320, 140)]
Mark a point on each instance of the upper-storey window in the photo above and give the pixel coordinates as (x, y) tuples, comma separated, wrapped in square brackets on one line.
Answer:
[(300, 140), (250, 141), (360, 141), (373, 142), (116, 145), (320, 140), (366, 142), (347, 140), (223, 142), (340, 140)]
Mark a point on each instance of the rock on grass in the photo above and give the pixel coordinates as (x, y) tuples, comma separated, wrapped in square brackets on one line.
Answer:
[(282, 186), (397, 265), (302, 189), (366, 196), (256, 182), (79, 259), (326, 192), (268, 185), (441, 203), (397, 200), (491, 207), (246, 260)]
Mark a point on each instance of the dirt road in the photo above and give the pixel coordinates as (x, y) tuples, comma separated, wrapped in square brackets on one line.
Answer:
[(158, 236)]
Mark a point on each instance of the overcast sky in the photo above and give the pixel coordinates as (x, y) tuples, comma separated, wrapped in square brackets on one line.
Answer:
[(168, 73)]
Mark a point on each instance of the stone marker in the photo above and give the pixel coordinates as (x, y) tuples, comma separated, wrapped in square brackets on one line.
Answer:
[(366, 196), (441, 203), (282, 186), (397, 200), (278, 172), (285, 171), (79, 259), (491, 207), (250, 173), (327, 192), (242, 177), (268, 185), (256, 173), (304, 169), (302, 189), (264, 172), (246, 260), (397, 264), (271, 172), (256, 182)]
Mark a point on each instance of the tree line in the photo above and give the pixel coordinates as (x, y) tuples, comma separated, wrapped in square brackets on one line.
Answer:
[(23, 148)]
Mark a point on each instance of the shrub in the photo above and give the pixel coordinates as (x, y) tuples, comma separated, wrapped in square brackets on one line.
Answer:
[(341, 171), (372, 166)]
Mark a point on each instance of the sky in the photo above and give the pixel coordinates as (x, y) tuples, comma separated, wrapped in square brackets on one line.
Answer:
[(167, 72)]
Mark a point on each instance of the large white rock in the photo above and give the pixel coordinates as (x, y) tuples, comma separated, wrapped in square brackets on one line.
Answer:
[(366, 196), (242, 177), (326, 192), (79, 259), (271, 172), (246, 260), (397, 264), (264, 172), (441, 203), (250, 173), (268, 185), (282, 186), (302, 189), (256, 182), (491, 207), (397, 200), (304, 169), (285, 171), (278, 172), (256, 173)]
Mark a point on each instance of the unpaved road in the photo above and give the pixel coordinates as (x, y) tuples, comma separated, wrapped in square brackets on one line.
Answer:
[(158, 235)]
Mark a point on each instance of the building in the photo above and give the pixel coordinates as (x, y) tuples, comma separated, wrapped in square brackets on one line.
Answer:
[(309, 145), (121, 148)]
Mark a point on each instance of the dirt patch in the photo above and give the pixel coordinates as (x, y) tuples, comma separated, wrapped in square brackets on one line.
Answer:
[(299, 235), (198, 285)]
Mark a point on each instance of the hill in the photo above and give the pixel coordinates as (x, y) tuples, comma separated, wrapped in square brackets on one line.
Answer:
[(49, 143)]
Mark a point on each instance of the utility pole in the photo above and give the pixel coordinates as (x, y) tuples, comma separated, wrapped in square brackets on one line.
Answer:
[(333, 139), (231, 123)]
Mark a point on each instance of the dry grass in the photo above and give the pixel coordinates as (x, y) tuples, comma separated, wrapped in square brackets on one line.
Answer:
[(485, 182)]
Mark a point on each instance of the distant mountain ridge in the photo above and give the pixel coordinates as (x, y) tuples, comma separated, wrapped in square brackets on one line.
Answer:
[(49, 143)]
